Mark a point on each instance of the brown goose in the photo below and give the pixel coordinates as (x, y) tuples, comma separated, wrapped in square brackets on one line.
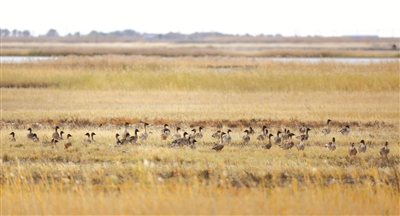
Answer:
[(192, 136), (384, 151), (278, 139), (303, 128), (134, 138), (125, 133), (117, 142), (289, 142), (165, 132), (345, 130), (181, 141), (326, 130), (12, 137), (177, 135), (305, 136), (68, 143), (192, 143), (264, 134), (216, 135), (92, 136), (144, 135), (352, 150), (30, 134), (301, 146), (362, 147), (246, 138), (220, 145), (56, 135), (35, 138), (251, 131), (61, 135), (199, 134), (268, 145), (87, 139), (331, 145), (227, 139), (125, 140)]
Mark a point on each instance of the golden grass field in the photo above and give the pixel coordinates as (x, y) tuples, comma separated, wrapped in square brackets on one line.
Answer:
[(80, 93)]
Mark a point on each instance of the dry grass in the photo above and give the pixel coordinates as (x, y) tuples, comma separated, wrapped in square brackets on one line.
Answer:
[(79, 93)]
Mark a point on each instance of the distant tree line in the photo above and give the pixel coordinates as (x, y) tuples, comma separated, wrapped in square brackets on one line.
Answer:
[(128, 33)]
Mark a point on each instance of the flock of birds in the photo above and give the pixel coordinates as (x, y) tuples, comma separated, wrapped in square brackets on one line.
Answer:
[(283, 139)]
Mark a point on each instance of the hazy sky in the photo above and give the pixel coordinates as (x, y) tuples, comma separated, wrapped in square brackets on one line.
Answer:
[(286, 17)]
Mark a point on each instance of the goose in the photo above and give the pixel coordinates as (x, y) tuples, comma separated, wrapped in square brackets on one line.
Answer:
[(251, 131), (285, 134), (68, 143), (144, 135), (278, 139), (165, 132), (384, 151), (125, 133), (220, 145), (227, 139), (303, 128), (345, 130), (326, 130), (134, 138), (268, 145), (35, 138), (193, 134), (216, 135), (12, 137), (305, 136), (56, 135), (117, 142), (352, 150), (181, 141), (264, 134), (362, 147), (125, 140), (30, 134), (301, 146), (289, 143), (331, 145), (192, 143), (246, 138), (199, 134), (92, 135), (87, 139), (61, 135), (54, 143), (177, 135)]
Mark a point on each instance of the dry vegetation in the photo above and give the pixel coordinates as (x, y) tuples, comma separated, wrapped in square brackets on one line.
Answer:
[(79, 93)]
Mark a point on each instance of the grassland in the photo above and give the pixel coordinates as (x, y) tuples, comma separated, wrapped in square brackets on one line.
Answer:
[(80, 93)]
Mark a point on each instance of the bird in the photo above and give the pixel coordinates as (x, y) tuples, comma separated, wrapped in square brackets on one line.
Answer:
[(305, 136), (251, 131), (68, 143), (289, 142), (303, 128), (30, 134), (87, 139), (285, 134), (12, 137), (193, 134), (384, 151), (165, 132), (326, 130), (331, 145), (54, 143), (125, 140), (124, 134), (246, 138), (362, 147), (352, 150), (220, 145), (216, 135), (35, 138), (345, 130), (144, 135), (181, 141), (199, 134), (264, 134), (227, 139), (56, 135), (92, 135), (268, 145), (61, 135), (134, 138), (117, 142), (301, 146), (192, 143), (278, 139), (177, 135)]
